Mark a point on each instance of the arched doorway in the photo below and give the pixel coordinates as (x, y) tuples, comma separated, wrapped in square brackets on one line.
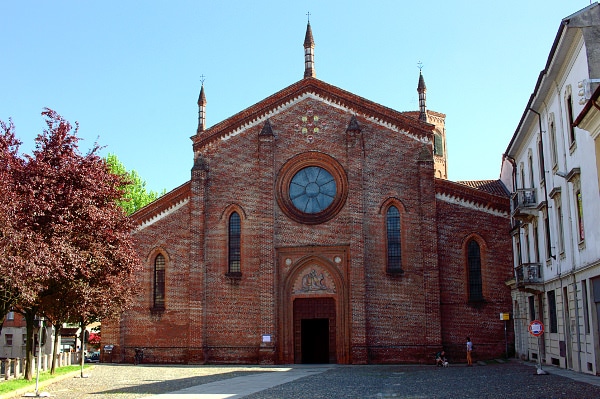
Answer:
[(314, 306), (314, 330)]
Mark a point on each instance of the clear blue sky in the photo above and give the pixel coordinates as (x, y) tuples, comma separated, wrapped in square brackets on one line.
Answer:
[(129, 71)]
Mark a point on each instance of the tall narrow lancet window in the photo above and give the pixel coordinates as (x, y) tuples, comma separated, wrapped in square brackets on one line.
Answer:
[(474, 264), (235, 232), (438, 145), (394, 244), (159, 282)]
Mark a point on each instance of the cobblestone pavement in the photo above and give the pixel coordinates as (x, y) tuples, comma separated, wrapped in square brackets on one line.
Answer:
[(512, 379)]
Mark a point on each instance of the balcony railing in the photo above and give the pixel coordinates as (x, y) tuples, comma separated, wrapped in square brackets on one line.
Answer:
[(524, 203), (529, 275)]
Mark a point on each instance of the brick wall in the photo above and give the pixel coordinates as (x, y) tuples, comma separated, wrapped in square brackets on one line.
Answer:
[(214, 317), (461, 318)]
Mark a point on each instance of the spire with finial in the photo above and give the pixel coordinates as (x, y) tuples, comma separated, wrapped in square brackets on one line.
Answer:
[(422, 90), (201, 108), (309, 52)]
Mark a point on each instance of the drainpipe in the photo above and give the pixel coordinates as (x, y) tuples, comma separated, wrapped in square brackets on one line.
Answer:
[(547, 219), (514, 187), (546, 223), (573, 268), (517, 294)]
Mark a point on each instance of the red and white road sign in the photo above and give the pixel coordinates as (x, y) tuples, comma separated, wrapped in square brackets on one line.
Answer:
[(536, 328)]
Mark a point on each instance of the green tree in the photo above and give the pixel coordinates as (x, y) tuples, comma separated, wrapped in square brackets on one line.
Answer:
[(135, 193)]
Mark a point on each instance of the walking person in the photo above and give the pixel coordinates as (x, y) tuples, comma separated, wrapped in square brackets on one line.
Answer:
[(469, 350)]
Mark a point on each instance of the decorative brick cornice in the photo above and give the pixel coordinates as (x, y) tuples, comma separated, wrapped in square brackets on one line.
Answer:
[(162, 206), (475, 198), (312, 87)]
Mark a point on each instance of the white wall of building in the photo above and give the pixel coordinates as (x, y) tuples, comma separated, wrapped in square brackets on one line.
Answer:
[(569, 259)]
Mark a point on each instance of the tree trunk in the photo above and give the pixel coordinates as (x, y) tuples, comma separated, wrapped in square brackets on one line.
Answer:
[(83, 343), (57, 327), (29, 315)]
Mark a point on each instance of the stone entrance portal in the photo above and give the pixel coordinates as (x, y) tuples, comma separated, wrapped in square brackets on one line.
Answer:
[(314, 330), (314, 316)]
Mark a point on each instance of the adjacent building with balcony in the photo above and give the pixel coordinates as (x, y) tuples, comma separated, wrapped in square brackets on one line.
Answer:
[(551, 166)]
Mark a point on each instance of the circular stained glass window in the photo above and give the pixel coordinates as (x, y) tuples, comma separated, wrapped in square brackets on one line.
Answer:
[(312, 189)]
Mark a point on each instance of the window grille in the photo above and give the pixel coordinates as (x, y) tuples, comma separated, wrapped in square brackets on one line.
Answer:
[(159, 282), (235, 232), (474, 260), (394, 244)]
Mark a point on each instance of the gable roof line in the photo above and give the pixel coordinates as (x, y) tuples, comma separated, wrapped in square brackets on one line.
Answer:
[(266, 116), (163, 204), (332, 94), (468, 194)]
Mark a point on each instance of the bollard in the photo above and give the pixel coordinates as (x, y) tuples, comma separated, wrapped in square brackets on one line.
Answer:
[(6, 368), (17, 367)]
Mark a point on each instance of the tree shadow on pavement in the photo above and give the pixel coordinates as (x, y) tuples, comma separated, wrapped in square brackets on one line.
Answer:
[(156, 387)]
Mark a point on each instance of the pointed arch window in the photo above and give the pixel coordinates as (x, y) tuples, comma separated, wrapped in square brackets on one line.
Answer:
[(394, 241), (159, 282), (234, 242), (438, 144), (474, 265)]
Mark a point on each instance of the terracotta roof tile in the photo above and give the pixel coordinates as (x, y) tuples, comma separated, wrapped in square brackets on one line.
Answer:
[(488, 193), (495, 187)]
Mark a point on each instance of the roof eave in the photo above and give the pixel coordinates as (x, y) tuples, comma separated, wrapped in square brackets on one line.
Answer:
[(259, 110)]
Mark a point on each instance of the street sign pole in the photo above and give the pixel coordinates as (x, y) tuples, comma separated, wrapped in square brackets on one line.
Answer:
[(505, 340), (536, 328), (40, 335), (505, 317), (539, 355)]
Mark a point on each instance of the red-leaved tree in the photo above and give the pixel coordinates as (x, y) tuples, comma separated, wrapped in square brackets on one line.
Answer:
[(23, 255), (69, 203)]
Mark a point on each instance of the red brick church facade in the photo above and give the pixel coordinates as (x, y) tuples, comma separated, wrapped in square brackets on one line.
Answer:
[(319, 227)]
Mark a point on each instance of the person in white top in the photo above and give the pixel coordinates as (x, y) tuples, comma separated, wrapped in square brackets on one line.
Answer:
[(469, 350)]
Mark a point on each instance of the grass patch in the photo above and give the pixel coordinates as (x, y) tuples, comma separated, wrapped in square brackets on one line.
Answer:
[(11, 385)]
